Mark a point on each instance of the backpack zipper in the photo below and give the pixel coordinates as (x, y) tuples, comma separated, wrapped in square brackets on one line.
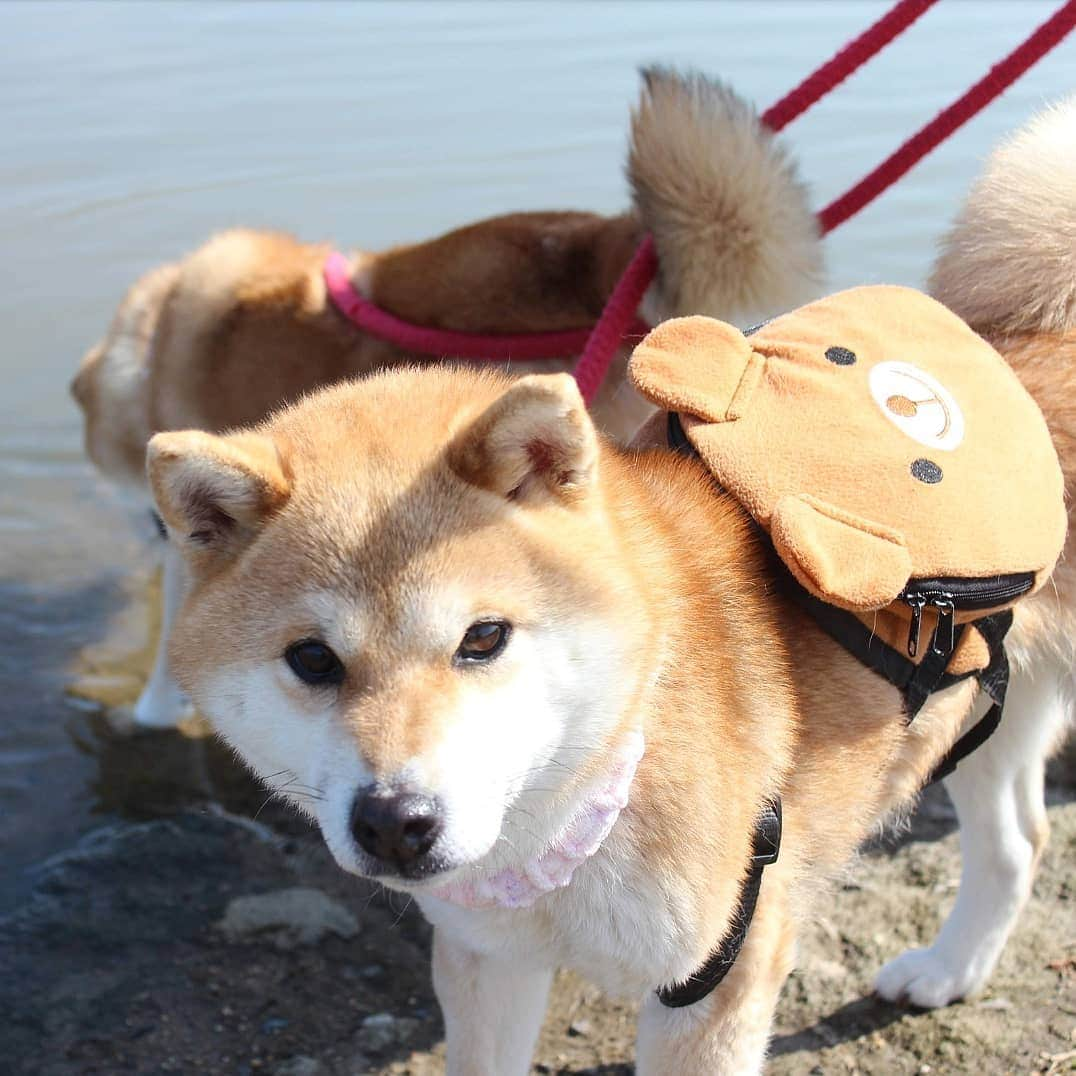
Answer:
[(948, 594)]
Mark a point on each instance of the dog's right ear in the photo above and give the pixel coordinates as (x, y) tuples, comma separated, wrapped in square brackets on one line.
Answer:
[(535, 442), (214, 493)]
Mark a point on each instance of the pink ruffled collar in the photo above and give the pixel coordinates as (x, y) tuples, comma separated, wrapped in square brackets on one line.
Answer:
[(580, 837)]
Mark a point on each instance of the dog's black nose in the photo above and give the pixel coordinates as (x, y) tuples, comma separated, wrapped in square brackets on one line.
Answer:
[(398, 827)]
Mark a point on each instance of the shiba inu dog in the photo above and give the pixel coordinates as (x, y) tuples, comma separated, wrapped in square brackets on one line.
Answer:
[(244, 325), (544, 685)]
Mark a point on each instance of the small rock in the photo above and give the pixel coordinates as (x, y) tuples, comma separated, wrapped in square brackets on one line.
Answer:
[(580, 1028), (1000, 1004), (379, 1019), (300, 916), (372, 971), (273, 1025), (381, 1030), (377, 1032)]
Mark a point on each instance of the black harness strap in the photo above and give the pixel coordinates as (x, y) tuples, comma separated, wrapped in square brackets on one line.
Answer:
[(764, 850), (995, 682), (916, 682)]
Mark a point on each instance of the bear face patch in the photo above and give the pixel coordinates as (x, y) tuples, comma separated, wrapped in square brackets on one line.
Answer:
[(873, 435), (917, 404)]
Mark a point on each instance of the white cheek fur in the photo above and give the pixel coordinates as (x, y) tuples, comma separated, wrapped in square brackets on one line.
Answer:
[(302, 752)]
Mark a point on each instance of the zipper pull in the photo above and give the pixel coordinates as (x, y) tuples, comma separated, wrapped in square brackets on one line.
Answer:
[(945, 632), (917, 602)]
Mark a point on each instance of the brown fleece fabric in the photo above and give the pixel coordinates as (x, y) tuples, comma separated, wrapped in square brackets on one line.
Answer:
[(874, 435)]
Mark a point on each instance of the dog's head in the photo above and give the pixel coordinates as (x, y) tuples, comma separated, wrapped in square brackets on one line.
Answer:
[(406, 610), (111, 384)]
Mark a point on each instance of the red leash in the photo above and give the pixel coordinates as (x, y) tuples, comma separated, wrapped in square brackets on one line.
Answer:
[(618, 321), (998, 79), (853, 56), (598, 354)]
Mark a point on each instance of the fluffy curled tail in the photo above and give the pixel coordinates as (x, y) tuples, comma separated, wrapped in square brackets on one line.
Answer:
[(735, 235), (1008, 265)]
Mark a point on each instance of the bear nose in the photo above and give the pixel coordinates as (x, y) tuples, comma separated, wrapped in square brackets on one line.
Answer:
[(398, 827)]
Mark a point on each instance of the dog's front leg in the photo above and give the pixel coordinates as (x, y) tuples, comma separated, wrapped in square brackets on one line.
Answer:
[(493, 1009), (727, 1032), (162, 703)]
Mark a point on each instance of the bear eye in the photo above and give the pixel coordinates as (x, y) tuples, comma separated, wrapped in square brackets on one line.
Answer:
[(314, 662), (841, 356), (926, 471), (483, 641)]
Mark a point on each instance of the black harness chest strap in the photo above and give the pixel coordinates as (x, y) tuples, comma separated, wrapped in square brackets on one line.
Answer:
[(995, 682), (765, 847)]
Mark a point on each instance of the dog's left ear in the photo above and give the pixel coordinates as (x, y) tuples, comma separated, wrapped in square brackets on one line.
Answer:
[(536, 441), (215, 493)]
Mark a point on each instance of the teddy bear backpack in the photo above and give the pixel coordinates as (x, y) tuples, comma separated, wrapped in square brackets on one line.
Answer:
[(905, 478)]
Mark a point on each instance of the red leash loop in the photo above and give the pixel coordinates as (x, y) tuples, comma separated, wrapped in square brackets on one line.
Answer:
[(998, 79)]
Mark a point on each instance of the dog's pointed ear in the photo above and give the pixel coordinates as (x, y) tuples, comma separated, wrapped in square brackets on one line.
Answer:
[(837, 556), (215, 493), (536, 441)]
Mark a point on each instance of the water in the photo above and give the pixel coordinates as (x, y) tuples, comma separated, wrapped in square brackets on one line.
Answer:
[(131, 132)]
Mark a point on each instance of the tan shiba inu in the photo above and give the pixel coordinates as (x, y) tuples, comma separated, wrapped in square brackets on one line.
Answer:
[(546, 686), (244, 325)]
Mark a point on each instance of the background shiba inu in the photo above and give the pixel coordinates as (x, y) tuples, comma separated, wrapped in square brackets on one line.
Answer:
[(243, 325), (531, 696)]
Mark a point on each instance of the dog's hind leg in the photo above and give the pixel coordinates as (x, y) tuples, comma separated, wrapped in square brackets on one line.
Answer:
[(998, 795), (493, 1009), (162, 704)]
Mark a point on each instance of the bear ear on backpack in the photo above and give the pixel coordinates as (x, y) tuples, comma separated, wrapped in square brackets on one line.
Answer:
[(837, 556), (696, 366)]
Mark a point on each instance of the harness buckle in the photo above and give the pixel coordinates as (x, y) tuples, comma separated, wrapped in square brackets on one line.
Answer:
[(766, 845)]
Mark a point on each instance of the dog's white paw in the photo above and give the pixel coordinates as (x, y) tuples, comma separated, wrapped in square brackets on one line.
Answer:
[(157, 713), (924, 978)]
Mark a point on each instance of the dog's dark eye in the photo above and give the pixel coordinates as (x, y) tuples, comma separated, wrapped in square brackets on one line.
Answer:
[(483, 641), (313, 662)]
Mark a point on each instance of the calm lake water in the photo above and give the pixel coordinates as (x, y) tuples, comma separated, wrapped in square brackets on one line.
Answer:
[(131, 132)]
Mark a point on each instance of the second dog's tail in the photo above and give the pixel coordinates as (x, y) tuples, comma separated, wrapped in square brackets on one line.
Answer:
[(1008, 266), (735, 235)]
